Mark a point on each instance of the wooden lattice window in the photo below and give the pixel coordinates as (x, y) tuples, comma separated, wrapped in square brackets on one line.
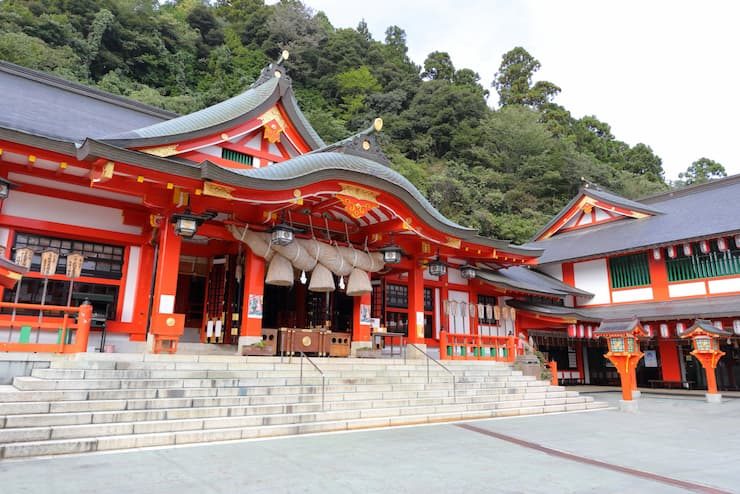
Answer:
[(710, 265), (236, 156), (397, 296), (628, 271)]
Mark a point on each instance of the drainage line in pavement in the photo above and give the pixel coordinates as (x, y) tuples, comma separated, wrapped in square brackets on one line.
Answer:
[(589, 461)]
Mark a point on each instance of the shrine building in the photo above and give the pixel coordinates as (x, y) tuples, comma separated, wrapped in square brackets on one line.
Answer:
[(238, 218), (238, 221), (665, 260)]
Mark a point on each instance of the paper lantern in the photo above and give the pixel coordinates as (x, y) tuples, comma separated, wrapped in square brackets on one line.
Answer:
[(737, 241), (49, 260), (656, 254), (736, 326), (717, 324), (680, 328), (472, 310), (280, 272), (664, 330), (322, 280), (358, 283), (74, 265), (671, 251), (648, 330), (704, 246), (496, 312), (581, 331), (722, 244), (590, 332), (482, 312), (24, 257), (572, 330), (687, 251)]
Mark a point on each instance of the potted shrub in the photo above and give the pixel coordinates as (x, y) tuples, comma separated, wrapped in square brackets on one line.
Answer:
[(259, 348)]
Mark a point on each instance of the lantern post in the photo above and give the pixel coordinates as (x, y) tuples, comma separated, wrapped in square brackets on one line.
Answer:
[(705, 338), (49, 261), (624, 352)]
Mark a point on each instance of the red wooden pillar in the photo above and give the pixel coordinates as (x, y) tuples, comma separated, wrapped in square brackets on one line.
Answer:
[(658, 277), (361, 330), (168, 265), (254, 289), (416, 304), (670, 367)]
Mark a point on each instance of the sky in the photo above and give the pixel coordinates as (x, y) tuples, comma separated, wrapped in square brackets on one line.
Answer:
[(661, 72)]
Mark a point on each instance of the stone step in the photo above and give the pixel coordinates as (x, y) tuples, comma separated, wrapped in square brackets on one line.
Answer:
[(126, 441), (157, 424), (135, 410)]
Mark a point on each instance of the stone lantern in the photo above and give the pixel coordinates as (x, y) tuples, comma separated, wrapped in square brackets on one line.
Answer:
[(705, 338), (624, 352)]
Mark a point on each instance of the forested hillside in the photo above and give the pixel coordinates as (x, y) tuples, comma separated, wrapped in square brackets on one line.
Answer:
[(505, 171)]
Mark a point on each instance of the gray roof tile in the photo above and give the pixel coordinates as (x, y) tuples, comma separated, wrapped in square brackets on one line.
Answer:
[(694, 214)]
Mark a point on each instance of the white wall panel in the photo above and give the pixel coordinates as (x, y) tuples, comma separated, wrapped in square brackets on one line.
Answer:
[(592, 277), (724, 285), (454, 276), (132, 279), (458, 323), (57, 210), (632, 295), (686, 289)]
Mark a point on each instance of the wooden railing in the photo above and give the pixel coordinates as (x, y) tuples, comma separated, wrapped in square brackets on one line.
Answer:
[(72, 328), (454, 346)]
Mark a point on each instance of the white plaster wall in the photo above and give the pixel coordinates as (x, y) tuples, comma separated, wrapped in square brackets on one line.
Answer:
[(601, 214), (555, 270), (56, 210), (632, 295), (686, 289), (132, 279), (454, 276), (724, 285), (592, 276), (456, 322)]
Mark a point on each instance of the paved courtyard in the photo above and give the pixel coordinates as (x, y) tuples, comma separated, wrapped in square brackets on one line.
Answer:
[(673, 444)]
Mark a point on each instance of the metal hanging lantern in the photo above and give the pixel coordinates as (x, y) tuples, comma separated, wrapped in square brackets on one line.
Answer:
[(468, 272), (5, 187), (282, 234), (186, 224), (391, 254), (437, 268)]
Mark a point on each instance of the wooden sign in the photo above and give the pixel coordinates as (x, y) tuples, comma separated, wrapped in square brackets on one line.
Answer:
[(49, 261), (74, 265), (24, 257)]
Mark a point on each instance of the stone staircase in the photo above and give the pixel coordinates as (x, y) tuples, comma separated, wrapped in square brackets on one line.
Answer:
[(100, 402)]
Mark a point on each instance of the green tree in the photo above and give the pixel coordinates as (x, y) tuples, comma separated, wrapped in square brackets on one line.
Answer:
[(438, 66), (702, 170), (513, 81)]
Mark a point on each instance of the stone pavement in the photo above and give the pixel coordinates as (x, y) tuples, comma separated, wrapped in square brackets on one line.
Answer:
[(681, 439)]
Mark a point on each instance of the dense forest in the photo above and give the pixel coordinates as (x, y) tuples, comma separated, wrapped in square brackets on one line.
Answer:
[(505, 171)]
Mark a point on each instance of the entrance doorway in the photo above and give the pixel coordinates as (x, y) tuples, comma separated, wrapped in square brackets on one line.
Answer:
[(296, 307)]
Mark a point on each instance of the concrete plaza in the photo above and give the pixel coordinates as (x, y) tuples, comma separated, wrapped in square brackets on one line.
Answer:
[(673, 444)]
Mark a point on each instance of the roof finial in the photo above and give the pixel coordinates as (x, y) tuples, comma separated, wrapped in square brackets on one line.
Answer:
[(283, 57)]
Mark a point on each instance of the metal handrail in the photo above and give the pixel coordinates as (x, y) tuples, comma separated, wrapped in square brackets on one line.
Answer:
[(429, 357), (323, 377)]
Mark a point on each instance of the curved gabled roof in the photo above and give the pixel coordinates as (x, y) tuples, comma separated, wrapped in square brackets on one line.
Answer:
[(262, 96), (330, 165)]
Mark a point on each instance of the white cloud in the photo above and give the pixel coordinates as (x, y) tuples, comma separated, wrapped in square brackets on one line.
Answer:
[(659, 72)]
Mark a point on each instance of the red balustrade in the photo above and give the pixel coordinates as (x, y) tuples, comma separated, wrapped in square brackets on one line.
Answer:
[(72, 328), (453, 346)]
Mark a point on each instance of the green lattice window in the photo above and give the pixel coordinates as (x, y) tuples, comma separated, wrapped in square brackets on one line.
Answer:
[(629, 271), (236, 156), (698, 265)]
